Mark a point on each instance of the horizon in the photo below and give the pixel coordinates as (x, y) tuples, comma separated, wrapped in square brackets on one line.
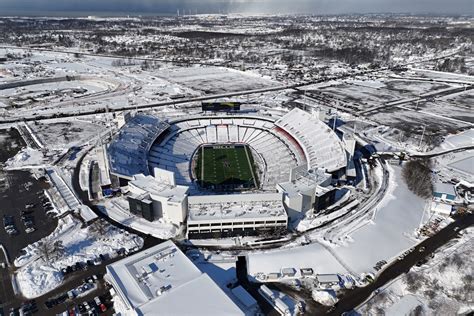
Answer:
[(120, 14), (72, 8)]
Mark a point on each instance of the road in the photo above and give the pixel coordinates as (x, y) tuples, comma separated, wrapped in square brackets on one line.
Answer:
[(426, 96), (357, 296)]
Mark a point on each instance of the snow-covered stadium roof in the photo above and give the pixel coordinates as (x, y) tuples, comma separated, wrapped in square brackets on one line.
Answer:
[(128, 151), (236, 206), (321, 145), (162, 281)]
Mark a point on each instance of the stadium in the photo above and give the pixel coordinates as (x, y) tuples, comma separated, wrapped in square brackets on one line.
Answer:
[(227, 154)]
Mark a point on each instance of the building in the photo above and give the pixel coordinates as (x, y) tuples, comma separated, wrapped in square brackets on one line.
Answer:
[(282, 303), (444, 192), (245, 299), (306, 191), (328, 279), (158, 197), (162, 281), (211, 216), (350, 145)]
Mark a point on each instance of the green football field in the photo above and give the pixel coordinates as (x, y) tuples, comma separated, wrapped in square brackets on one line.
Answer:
[(226, 167)]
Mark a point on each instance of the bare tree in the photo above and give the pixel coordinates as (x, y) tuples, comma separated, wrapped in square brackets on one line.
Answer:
[(50, 250), (417, 175), (99, 228)]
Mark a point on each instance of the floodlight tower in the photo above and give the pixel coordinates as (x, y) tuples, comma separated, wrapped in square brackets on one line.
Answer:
[(422, 135)]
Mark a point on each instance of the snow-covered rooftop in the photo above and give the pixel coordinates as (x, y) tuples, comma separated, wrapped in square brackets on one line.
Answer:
[(447, 188), (151, 185), (238, 206), (162, 280), (306, 181)]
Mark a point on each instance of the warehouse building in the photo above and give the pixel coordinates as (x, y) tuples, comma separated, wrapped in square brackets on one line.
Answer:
[(162, 281)]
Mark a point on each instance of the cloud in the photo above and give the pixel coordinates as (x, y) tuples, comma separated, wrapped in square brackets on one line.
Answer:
[(29, 7)]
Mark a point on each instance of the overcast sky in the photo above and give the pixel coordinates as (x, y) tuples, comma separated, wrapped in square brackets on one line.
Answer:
[(74, 7)]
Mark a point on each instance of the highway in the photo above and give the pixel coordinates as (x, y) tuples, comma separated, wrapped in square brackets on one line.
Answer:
[(359, 295), (426, 96)]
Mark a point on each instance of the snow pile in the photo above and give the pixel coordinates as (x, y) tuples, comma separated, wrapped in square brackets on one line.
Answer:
[(27, 157), (326, 298), (36, 277)]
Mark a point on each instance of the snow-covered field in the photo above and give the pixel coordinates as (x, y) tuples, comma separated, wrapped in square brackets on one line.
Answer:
[(391, 230), (36, 275), (67, 133), (215, 79)]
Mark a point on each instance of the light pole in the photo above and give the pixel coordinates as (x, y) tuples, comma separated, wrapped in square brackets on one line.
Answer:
[(422, 134)]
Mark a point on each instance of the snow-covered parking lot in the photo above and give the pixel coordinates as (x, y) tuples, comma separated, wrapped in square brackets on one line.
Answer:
[(39, 270)]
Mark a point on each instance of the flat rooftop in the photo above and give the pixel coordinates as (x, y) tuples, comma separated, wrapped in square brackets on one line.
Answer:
[(235, 206), (162, 280), (151, 185), (305, 181)]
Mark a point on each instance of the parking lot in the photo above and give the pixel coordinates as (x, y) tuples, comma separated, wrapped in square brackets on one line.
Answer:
[(27, 192), (25, 207), (59, 301)]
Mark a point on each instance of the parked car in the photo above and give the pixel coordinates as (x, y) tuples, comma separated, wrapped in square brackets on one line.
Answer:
[(71, 294)]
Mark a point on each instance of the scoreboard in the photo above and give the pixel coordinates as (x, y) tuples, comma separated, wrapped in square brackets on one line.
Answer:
[(221, 106)]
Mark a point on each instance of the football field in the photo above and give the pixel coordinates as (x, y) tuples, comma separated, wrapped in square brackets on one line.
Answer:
[(226, 167)]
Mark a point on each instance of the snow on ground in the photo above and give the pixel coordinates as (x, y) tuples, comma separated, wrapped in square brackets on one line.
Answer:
[(117, 209), (67, 133), (391, 230), (313, 256), (27, 157), (36, 277), (215, 79), (442, 286), (404, 306)]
